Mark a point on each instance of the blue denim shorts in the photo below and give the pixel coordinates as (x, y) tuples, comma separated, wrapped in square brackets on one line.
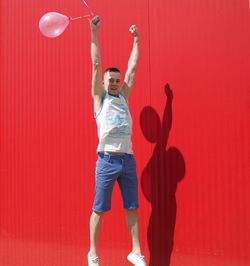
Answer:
[(110, 168)]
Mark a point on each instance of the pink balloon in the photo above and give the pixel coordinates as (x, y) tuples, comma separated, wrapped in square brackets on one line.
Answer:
[(53, 24)]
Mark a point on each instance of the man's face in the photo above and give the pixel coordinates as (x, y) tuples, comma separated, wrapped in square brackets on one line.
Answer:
[(112, 82)]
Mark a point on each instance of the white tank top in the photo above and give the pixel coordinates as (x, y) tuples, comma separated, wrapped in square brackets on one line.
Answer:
[(114, 125)]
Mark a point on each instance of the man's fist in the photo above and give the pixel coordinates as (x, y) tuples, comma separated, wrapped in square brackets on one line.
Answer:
[(95, 23), (134, 31)]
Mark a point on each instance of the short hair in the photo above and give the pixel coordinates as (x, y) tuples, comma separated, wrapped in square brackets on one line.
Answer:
[(112, 69)]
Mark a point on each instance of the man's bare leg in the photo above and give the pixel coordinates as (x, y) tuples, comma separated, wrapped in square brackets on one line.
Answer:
[(95, 225), (133, 226)]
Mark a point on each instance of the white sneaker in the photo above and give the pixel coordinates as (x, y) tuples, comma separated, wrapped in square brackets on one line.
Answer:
[(93, 261), (137, 260)]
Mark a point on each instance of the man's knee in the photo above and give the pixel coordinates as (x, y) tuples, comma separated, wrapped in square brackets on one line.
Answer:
[(131, 212), (97, 213)]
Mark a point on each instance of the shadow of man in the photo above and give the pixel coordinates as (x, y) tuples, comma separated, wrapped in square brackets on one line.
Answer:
[(159, 181)]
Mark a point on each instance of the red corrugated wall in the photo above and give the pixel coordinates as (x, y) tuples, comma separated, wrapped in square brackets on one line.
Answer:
[(192, 152)]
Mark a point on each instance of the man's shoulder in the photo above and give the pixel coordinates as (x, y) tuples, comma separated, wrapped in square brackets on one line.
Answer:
[(126, 90)]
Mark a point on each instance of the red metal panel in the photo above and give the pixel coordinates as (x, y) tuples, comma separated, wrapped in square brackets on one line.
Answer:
[(192, 152)]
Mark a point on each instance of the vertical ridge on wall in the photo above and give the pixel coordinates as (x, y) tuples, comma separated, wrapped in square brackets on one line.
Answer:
[(149, 54)]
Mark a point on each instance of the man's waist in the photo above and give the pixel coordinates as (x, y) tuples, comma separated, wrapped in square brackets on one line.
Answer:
[(112, 153)]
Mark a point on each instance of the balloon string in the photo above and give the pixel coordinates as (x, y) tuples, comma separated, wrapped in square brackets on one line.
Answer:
[(85, 16), (90, 11)]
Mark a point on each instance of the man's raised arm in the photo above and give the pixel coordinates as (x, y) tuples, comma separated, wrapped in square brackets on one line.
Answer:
[(97, 87), (132, 63)]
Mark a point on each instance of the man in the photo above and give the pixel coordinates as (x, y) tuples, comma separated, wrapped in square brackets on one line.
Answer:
[(115, 156)]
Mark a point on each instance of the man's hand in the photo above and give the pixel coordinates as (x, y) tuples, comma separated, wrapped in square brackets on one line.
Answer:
[(95, 23), (134, 31)]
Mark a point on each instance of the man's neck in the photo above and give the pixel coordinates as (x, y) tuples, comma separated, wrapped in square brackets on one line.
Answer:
[(117, 96)]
